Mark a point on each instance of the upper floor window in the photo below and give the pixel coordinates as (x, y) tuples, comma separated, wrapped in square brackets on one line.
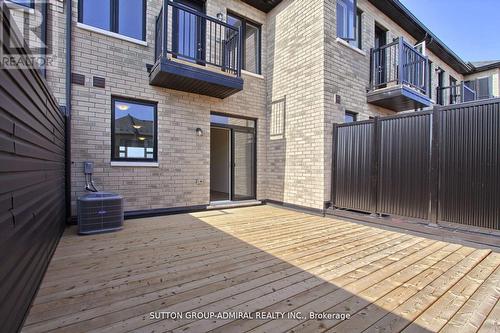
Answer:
[(346, 19), (357, 41), (350, 117), (26, 3), (133, 130), (125, 17), (251, 51), (482, 86)]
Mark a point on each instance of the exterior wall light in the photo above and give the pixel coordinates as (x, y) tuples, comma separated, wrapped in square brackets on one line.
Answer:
[(220, 16), (199, 132)]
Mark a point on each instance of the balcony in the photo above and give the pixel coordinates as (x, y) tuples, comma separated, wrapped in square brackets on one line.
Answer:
[(398, 77), (196, 53), (455, 94)]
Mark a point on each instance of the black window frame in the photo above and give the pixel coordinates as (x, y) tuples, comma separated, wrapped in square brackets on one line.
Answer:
[(114, 18), (347, 38), (354, 116), (258, 25), (114, 99)]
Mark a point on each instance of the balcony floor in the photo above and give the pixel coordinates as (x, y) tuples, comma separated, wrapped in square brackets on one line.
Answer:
[(268, 259), (193, 78), (398, 98)]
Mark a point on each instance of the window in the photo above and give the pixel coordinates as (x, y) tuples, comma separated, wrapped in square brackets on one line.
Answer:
[(251, 42), (484, 87), (125, 17), (25, 3), (357, 42), (346, 19), (277, 125), (350, 117), (133, 130)]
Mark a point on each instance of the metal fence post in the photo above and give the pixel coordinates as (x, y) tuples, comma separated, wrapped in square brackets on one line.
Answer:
[(165, 29), (240, 51), (401, 61), (427, 77), (334, 165), (375, 165), (372, 69), (434, 168)]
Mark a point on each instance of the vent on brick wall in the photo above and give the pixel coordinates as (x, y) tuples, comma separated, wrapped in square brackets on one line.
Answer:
[(99, 82), (78, 79)]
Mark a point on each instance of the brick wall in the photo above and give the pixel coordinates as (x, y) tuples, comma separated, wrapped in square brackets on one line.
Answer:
[(183, 157), (302, 62), (295, 32)]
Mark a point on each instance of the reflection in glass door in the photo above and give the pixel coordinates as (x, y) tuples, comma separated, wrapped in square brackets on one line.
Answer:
[(243, 165)]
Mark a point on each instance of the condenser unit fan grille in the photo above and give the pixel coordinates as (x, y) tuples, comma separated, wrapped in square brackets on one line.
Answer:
[(100, 212)]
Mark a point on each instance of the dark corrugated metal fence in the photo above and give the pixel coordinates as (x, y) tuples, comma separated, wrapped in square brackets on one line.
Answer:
[(32, 180), (407, 165), (404, 160), (354, 166), (469, 186)]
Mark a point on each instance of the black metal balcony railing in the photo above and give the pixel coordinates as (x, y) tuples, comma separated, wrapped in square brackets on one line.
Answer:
[(399, 63), (454, 94), (188, 35)]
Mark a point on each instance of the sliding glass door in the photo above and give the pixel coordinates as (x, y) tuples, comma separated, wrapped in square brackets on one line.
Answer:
[(242, 166)]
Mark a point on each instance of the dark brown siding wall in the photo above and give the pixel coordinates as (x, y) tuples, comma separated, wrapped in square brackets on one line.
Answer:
[(32, 178)]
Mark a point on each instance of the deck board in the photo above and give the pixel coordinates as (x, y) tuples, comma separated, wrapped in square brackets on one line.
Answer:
[(265, 259)]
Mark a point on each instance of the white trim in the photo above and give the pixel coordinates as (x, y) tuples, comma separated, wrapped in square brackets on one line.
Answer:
[(343, 42), (16, 6), (259, 76), (135, 164), (110, 34)]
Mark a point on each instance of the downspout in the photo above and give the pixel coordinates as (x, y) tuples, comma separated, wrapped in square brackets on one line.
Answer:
[(69, 11), (44, 38)]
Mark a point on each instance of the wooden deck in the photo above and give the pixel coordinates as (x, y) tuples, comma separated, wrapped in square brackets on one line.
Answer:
[(270, 260)]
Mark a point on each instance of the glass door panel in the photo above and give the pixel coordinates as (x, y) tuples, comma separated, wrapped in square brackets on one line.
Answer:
[(188, 31), (243, 165)]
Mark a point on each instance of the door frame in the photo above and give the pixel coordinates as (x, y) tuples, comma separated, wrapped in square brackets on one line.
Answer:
[(230, 152), (380, 31), (237, 128)]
